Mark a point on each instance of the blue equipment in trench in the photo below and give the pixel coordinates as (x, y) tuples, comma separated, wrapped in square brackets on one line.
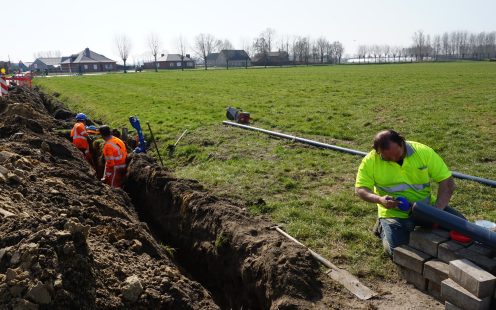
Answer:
[(141, 148)]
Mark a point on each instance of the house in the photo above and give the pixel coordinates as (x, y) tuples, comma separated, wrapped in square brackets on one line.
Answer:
[(88, 61), (51, 64), (229, 58), (171, 61), (212, 59), (280, 58)]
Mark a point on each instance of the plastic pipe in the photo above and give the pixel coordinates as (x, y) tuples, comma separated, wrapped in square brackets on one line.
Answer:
[(347, 150), (447, 220)]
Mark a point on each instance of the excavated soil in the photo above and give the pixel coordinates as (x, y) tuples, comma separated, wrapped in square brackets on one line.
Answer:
[(66, 240), (69, 242)]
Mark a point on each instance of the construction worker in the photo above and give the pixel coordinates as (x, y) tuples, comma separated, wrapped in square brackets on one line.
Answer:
[(115, 154), (398, 168), (79, 136)]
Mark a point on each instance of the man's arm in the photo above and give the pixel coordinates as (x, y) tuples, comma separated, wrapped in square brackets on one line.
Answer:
[(367, 195), (444, 192)]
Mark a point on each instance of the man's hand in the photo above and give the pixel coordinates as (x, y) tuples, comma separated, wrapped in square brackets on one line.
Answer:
[(367, 195), (388, 202)]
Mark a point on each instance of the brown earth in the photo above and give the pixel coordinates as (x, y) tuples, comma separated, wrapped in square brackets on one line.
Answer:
[(68, 241)]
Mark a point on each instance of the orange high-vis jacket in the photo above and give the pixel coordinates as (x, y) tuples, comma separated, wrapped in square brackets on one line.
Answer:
[(80, 136), (115, 153)]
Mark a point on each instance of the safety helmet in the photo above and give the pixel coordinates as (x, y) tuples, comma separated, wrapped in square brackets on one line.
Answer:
[(81, 117), (105, 130)]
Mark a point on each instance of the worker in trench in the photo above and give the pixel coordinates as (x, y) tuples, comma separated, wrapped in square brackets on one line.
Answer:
[(80, 137), (398, 168), (115, 154)]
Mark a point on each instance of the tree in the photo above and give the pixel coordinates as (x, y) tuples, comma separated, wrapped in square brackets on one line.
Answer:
[(337, 51), (419, 42), (181, 44), (205, 44), (123, 44), (322, 44), (436, 46), (261, 47), (154, 46), (362, 51), (226, 45)]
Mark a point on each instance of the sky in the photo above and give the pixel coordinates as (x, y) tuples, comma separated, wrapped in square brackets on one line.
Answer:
[(32, 26)]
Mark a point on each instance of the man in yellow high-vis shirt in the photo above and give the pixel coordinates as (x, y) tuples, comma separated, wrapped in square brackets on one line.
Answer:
[(399, 168)]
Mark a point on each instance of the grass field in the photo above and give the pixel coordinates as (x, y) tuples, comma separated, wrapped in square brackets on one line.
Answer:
[(450, 107)]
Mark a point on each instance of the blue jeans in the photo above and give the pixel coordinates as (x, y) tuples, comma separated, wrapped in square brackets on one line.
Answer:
[(395, 231)]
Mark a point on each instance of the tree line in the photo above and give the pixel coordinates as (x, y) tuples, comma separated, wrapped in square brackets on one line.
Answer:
[(446, 46), (299, 49)]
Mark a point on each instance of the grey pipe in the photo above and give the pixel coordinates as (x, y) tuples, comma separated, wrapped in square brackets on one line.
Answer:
[(447, 220), (346, 150)]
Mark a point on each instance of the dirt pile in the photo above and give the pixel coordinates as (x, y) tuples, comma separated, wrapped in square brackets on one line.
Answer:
[(66, 240)]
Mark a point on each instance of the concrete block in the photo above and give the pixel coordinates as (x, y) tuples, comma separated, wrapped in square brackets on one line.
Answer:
[(426, 242), (436, 271), (471, 277), (450, 306), (410, 258), (442, 233), (414, 278), (485, 263), (462, 298), (434, 290), (481, 249), (446, 251)]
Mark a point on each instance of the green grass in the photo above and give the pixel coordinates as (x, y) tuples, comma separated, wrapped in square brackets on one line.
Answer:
[(450, 107)]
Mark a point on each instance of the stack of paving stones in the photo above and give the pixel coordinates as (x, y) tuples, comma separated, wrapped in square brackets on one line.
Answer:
[(462, 275)]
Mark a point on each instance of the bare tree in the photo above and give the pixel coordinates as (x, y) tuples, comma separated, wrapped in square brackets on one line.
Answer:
[(261, 47), (123, 44), (362, 51), (226, 45), (154, 46), (322, 44), (419, 42), (182, 45), (205, 44), (337, 51), (436, 46)]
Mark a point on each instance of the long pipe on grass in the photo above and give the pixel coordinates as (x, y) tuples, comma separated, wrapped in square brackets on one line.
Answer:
[(449, 221), (345, 150)]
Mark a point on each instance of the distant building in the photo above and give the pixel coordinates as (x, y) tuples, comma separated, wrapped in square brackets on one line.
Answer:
[(212, 59), (171, 61), (51, 64), (229, 58), (88, 61), (280, 58)]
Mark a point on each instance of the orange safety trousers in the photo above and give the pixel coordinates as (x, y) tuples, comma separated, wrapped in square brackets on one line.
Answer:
[(115, 154)]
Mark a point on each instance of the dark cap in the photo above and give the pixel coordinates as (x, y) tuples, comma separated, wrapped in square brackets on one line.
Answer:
[(105, 131)]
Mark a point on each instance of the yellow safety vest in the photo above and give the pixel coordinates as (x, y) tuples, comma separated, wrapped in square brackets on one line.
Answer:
[(410, 180)]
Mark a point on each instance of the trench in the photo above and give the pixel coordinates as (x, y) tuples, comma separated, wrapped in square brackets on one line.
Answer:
[(240, 260)]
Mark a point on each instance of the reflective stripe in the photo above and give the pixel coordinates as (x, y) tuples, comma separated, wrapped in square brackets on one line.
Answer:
[(117, 148), (120, 166), (403, 187), (76, 134)]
